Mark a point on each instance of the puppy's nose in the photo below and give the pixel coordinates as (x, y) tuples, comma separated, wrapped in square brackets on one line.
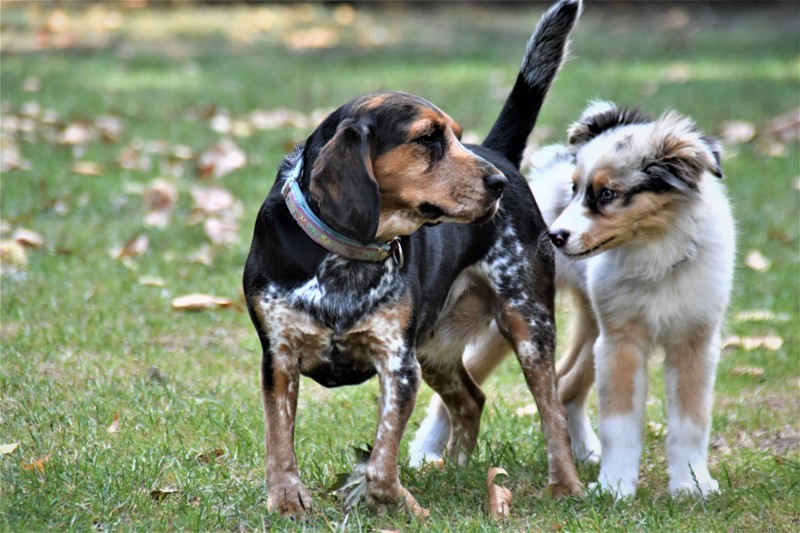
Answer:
[(495, 183), (559, 237)]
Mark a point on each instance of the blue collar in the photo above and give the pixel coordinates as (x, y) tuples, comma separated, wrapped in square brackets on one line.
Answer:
[(329, 238)]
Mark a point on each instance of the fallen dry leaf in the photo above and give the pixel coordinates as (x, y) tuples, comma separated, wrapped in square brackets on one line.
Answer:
[(527, 410), (12, 255), (109, 127), (738, 131), (28, 238), (311, 38), (113, 428), (151, 281), (499, 496), (785, 127), (207, 457), (221, 232), (136, 246), (221, 159), (202, 256), (36, 465), (160, 494), (768, 342), (87, 168), (761, 315), (159, 200), (212, 200), (749, 371), (678, 73), (11, 156), (6, 449), (200, 302), (76, 133), (756, 261)]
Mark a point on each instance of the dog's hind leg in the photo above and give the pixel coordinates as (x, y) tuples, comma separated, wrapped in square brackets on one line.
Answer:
[(481, 357), (575, 375), (690, 368)]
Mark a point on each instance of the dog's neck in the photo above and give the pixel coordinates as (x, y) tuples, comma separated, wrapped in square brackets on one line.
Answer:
[(327, 237)]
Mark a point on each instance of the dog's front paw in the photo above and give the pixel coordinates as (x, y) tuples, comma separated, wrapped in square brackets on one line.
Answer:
[(621, 487), (700, 487), (388, 499), (290, 499)]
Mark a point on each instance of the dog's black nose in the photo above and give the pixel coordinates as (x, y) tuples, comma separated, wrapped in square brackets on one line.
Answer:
[(559, 237), (495, 183)]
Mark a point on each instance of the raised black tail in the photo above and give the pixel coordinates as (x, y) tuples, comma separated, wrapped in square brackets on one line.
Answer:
[(543, 59)]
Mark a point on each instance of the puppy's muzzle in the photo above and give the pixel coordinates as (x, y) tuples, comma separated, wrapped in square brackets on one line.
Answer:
[(559, 237)]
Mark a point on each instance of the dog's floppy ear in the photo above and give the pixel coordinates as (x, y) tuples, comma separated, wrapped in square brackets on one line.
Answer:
[(680, 154), (342, 183), (601, 116)]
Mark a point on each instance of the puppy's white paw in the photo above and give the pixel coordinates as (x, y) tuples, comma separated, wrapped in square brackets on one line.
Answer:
[(587, 450), (418, 459), (701, 487), (620, 488)]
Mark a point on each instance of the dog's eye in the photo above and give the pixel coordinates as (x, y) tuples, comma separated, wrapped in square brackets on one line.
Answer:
[(607, 195), (429, 139)]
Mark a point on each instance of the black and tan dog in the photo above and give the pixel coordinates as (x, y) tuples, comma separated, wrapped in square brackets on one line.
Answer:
[(384, 247)]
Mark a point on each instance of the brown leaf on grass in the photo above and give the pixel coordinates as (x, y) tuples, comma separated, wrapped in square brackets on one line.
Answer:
[(262, 119), (786, 127), (221, 159), (159, 200), (12, 256), (755, 260), (499, 496), (28, 238), (134, 157), (11, 156), (151, 281), (87, 168), (738, 131), (209, 456), (527, 410), (37, 465), (76, 133), (761, 315), (6, 449), (769, 342), (134, 247), (202, 256), (221, 232), (213, 200), (749, 371), (311, 38), (678, 73), (109, 127), (200, 302), (160, 494), (114, 427)]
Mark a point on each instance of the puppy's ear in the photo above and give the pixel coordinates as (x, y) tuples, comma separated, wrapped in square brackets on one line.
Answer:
[(680, 154), (600, 117), (343, 185)]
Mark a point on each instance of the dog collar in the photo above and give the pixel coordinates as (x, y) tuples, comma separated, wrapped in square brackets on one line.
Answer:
[(329, 238)]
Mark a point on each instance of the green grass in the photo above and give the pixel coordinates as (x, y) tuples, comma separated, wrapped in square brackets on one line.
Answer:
[(80, 333)]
